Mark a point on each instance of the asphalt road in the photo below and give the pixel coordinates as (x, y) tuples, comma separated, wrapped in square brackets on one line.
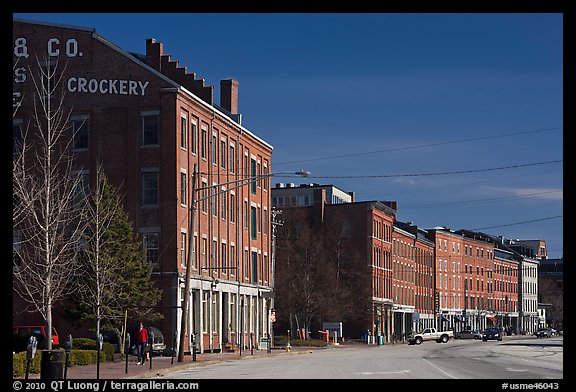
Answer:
[(514, 358)]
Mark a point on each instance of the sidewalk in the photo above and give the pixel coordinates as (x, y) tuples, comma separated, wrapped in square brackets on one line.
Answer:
[(163, 365)]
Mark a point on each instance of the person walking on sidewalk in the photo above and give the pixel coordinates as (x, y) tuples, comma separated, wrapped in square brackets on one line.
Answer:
[(141, 342)]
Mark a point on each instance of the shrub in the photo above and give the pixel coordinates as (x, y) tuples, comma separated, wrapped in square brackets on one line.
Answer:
[(19, 363), (107, 352), (83, 357)]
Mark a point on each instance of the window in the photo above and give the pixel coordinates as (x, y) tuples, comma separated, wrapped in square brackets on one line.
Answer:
[(150, 244), (81, 189), (214, 255), (150, 128), (16, 136), (254, 267), (183, 248), (183, 132), (246, 264), (214, 200), (194, 136), (232, 156), (204, 252), (266, 177), (245, 213), (224, 204), (204, 196), (223, 256), (150, 187), (214, 150), (253, 221), (253, 174), (204, 141), (80, 127), (183, 187), (223, 151), (232, 207), (232, 259)]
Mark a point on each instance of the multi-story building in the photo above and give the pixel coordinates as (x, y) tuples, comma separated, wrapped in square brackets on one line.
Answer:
[(149, 122), (412, 280), (290, 195), (528, 279)]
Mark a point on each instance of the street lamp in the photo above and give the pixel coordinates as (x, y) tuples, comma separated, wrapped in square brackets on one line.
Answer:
[(242, 182)]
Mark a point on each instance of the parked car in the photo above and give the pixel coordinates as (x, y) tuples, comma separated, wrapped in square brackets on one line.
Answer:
[(468, 334), (492, 333), (36, 330), (430, 334), (158, 345), (544, 333)]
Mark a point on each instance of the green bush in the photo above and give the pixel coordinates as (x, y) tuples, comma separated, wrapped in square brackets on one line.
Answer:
[(90, 344), (78, 357), (83, 357), (19, 363)]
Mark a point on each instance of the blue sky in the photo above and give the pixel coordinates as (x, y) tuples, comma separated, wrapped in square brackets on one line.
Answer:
[(367, 101)]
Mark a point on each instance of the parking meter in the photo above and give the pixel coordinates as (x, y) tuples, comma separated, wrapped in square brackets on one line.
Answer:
[(99, 341), (31, 348), (68, 345), (127, 344), (30, 352), (150, 350), (67, 348)]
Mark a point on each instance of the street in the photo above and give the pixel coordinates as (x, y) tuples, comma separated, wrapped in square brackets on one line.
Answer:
[(514, 358)]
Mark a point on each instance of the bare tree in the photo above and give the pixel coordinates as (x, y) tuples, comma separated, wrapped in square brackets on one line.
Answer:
[(45, 187), (115, 276), (99, 287)]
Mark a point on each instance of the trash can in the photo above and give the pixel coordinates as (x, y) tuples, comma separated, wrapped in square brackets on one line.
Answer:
[(380, 340), (52, 365)]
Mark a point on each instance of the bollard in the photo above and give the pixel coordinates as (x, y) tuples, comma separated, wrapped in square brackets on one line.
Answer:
[(151, 349), (30, 353), (194, 347), (68, 349), (99, 340), (126, 350)]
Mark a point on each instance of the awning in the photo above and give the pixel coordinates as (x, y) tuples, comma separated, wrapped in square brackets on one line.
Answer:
[(492, 318)]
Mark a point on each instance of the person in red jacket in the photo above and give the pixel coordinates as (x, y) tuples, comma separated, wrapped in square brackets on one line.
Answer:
[(141, 342)]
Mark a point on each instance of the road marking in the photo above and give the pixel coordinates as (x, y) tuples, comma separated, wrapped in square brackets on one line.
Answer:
[(516, 370), (437, 368), (393, 372)]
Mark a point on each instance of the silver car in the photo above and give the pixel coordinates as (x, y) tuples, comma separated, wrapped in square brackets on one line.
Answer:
[(468, 334)]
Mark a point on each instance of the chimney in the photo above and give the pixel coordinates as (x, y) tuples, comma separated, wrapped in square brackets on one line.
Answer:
[(391, 204), (229, 95)]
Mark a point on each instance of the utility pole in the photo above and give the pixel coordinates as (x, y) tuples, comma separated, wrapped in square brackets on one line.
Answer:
[(186, 304)]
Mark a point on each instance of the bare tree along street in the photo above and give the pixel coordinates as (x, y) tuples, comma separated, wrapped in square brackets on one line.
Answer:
[(513, 358)]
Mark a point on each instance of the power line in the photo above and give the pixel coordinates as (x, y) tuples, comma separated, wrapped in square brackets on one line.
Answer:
[(435, 173), (419, 146), (519, 223)]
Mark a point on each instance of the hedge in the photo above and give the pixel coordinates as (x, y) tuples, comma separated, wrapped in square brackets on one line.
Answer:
[(78, 357)]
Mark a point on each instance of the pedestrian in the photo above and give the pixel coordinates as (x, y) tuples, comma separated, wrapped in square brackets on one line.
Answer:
[(141, 342)]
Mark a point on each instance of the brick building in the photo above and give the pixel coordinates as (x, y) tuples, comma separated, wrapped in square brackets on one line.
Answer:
[(149, 121)]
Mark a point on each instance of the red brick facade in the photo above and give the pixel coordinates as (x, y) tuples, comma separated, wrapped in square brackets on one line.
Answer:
[(149, 122)]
